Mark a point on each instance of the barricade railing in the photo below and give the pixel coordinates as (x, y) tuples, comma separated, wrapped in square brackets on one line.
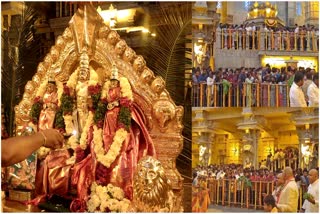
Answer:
[(237, 193), (240, 95), (267, 40)]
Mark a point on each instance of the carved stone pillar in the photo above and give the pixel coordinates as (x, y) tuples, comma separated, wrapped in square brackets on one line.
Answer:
[(262, 40)]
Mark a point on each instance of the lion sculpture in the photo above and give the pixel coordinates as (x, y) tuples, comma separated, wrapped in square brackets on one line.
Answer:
[(152, 191)]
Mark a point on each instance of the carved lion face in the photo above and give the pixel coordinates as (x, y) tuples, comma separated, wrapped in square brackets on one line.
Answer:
[(151, 185)]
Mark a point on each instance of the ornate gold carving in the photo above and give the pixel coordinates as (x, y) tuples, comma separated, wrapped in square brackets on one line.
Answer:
[(113, 38), (163, 122), (120, 47), (67, 35), (54, 54), (36, 79), (139, 64), (164, 112), (129, 55), (152, 191), (147, 76), (179, 113), (47, 61), (60, 43), (158, 85), (104, 31)]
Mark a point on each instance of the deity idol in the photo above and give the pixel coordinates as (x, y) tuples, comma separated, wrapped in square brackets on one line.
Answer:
[(115, 144)]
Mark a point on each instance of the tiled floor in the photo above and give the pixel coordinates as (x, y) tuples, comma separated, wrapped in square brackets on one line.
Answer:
[(223, 209)]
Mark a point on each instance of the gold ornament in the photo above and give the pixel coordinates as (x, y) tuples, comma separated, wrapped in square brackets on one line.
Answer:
[(152, 191)]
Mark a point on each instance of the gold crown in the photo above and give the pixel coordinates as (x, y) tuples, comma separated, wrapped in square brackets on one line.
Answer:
[(51, 79), (114, 72)]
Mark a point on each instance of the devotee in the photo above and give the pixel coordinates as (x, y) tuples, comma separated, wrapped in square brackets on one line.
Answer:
[(16, 149), (311, 204), (313, 92), (288, 199), (296, 94), (269, 204), (279, 186), (306, 84)]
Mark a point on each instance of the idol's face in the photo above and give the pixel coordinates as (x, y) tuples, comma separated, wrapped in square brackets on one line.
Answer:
[(51, 87), (114, 83)]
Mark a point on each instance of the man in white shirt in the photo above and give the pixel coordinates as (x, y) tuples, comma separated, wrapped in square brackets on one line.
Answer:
[(297, 98), (288, 199), (313, 92), (311, 204)]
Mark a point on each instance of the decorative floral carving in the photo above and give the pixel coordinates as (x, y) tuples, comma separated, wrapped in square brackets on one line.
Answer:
[(113, 38), (104, 31), (120, 47), (139, 64), (179, 113), (164, 112), (54, 54), (36, 79), (158, 85), (129, 55), (30, 87), (60, 42), (147, 76), (47, 61), (67, 35)]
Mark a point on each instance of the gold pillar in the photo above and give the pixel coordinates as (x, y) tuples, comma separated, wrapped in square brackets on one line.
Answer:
[(224, 12), (312, 12)]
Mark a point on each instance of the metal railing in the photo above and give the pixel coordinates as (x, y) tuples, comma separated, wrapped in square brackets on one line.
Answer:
[(232, 192), (261, 40), (240, 95)]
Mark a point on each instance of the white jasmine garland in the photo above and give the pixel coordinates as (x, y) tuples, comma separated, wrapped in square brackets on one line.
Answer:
[(72, 82), (125, 88), (68, 123), (108, 158), (42, 152), (72, 142), (84, 134), (100, 198)]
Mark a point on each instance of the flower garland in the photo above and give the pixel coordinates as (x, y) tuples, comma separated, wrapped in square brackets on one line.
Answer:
[(67, 104), (107, 197), (84, 134), (121, 133)]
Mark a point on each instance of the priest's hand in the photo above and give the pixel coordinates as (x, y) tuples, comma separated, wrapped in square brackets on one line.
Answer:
[(52, 138)]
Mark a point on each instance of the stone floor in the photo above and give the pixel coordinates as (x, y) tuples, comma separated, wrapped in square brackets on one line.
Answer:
[(223, 209)]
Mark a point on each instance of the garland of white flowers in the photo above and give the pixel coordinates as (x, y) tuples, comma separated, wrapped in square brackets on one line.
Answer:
[(109, 196), (120, 135)]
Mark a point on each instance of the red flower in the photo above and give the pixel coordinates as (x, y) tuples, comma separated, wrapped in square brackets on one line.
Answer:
[(66, 89), (100, 124), (78, 205), (125, 102), (94, 89), (101, 172), (37, 99), (121, 125)]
